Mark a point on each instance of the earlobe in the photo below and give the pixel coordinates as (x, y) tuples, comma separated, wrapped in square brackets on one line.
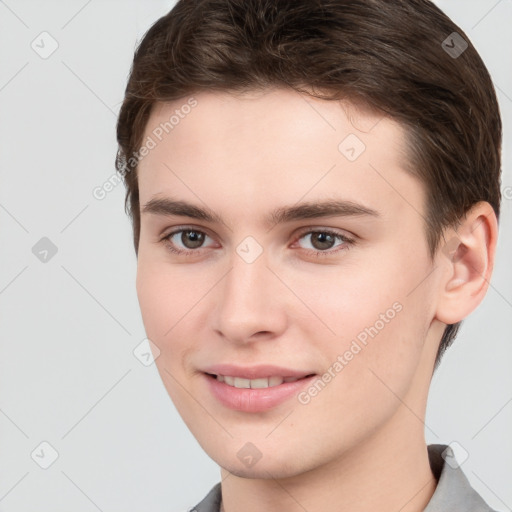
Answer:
[(468, 260)]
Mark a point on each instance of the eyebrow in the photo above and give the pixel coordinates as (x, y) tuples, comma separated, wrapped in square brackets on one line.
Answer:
[(302, 211)]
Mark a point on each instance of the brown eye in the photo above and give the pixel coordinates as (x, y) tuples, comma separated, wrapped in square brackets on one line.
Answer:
[(187, 241), (321, 240), (192, 239), (324, 242)]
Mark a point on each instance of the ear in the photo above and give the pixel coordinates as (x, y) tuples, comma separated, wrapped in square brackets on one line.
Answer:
[(468, 259)]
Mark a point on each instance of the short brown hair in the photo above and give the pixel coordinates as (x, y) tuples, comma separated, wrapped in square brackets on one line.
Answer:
[(399, 57)]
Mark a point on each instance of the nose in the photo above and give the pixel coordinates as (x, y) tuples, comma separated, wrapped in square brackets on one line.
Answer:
[(250, 303)]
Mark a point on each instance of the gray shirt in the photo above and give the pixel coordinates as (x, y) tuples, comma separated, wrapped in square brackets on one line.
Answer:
[(453, 491)]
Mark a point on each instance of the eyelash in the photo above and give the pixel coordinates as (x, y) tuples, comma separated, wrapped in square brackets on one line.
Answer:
[(347, 242)]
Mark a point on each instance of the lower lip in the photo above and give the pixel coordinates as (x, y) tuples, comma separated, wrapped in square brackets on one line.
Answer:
[(255, 400)]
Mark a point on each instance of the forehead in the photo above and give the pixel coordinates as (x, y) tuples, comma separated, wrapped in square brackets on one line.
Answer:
[(226, 113), (270, 146)]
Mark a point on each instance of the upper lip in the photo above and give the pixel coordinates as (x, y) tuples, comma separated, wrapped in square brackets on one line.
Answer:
[(255, 372)]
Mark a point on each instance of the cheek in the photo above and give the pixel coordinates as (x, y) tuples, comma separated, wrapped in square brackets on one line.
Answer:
[(172, 301), (377, 322), (151, 292), (346, 299), (162, 300), (370, 365)]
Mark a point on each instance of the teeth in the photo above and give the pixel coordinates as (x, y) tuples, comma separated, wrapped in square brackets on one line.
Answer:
[(241, 383), (259, 383), (275, 381)]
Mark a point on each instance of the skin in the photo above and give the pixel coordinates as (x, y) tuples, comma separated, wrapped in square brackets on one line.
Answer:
[(243, 156)]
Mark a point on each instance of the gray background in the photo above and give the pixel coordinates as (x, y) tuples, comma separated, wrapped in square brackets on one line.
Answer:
[(69, 325)]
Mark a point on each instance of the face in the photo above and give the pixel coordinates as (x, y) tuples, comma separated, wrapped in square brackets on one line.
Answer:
[(283, 249)]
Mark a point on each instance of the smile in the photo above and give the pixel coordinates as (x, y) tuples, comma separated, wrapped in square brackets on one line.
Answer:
[(261, 383), (255, 395)]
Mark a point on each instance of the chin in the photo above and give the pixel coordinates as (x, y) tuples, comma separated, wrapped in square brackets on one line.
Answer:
[(265, 468), (262, 472)]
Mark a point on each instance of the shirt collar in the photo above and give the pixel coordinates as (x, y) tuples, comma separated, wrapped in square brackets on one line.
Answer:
[(453, 491)]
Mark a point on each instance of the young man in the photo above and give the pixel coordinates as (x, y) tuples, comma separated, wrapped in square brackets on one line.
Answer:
[(314, 189)]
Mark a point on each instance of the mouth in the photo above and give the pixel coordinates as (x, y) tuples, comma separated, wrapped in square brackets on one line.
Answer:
[(259, 383), (259, 393)]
